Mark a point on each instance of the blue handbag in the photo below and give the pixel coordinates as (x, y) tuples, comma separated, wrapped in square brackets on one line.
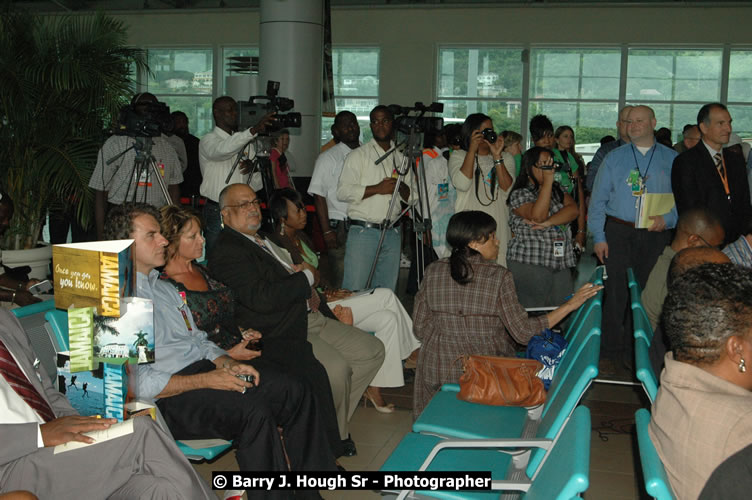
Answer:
[(548, 348)]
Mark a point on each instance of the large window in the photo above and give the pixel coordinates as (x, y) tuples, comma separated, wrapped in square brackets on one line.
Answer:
[(674, 82), (356, 86), (576, 87), (231, 63), (740, 92), (481, 80), (184, 80), (584, 87)]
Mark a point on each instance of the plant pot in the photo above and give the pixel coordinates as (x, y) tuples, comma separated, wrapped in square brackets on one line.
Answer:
[(38, 259)]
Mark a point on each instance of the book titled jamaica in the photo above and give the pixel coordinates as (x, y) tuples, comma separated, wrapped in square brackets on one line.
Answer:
[(94, 274)]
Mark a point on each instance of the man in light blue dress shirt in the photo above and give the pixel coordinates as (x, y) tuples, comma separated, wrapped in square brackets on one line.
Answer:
[(627, 172), (196, 384)]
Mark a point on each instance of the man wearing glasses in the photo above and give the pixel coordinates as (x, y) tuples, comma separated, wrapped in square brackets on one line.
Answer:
[(278, 298), (368, 188)]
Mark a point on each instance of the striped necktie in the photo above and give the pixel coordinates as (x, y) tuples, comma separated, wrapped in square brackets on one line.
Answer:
[(18, 381), (719, 164)]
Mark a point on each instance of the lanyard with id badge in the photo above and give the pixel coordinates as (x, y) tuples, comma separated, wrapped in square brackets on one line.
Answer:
[(181, 308), (559, 242), (637, 183)]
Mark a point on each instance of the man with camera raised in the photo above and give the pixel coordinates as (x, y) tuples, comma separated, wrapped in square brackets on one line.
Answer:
[(218, 152), (124, 170), (368, 188)]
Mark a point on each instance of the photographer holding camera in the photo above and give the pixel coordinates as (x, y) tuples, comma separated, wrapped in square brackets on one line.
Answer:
[(541, 252), (116, 180), (483, 175), (218, 151)]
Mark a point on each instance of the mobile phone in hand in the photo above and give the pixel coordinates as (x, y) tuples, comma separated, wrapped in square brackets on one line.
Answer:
[(41, 287)]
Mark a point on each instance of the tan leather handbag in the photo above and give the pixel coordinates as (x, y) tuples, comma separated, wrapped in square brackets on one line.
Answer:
[(496, 381)]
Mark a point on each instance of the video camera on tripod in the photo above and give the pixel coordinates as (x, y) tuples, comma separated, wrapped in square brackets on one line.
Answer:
[(406, 123), (251, 111), (144, 119)]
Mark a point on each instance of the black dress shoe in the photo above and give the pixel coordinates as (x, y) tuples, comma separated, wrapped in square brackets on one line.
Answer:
[(349, 446)]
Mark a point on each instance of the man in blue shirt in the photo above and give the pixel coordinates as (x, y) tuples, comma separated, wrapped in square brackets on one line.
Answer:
[(600, 155), (196, 384), (627, 173)]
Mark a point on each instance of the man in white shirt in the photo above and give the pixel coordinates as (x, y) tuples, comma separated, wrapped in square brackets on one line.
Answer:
[(332, 212), (217, 153), (368, 189), (116, 178)]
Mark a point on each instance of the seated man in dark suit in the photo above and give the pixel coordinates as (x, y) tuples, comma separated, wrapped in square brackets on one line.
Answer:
[(276, 297), (35, 417), (708, 176), (198, 387)]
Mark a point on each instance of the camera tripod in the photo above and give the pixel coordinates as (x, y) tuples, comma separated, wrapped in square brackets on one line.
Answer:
[(421, 223), (143, 165)]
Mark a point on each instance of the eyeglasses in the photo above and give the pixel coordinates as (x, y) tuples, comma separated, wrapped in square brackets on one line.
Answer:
[(246, 204), (717, 247)]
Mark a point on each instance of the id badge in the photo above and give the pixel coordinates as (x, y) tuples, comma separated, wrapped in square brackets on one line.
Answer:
[(143, 179), (443, 191), (185, 318), (559, 247), (635, 182)]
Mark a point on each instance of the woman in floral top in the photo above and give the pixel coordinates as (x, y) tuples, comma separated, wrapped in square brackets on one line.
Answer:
[(212, 306)]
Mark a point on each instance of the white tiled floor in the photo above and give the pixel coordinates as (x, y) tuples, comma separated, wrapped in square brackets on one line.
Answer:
[(612, 463)]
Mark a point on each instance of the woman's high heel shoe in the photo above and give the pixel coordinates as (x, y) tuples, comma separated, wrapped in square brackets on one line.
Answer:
[(388, 408)]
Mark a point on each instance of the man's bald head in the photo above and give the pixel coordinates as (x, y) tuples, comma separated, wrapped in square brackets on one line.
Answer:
[(240, 208), (692, 257), (698, 228)]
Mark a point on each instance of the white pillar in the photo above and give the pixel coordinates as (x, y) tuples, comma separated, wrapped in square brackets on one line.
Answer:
[(292, 40)]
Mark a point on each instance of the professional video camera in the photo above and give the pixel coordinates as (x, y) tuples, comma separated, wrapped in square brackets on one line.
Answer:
[(406, 123), (251, 111), (149, 120)]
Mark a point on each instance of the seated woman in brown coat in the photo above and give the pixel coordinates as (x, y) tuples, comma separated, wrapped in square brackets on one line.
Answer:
[(467, 304)]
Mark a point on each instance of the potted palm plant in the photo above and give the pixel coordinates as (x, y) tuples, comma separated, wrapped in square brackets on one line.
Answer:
[(62, 80)]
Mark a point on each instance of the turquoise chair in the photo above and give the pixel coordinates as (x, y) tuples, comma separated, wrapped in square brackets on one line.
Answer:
[(644, 369), (32, 309), (640, 322), (507, 422), (563, 475), (631, 280), (58, 322), (653, 472)]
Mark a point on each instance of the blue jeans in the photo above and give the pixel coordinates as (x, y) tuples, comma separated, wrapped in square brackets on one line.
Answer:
[(359, 255), (212, 224)]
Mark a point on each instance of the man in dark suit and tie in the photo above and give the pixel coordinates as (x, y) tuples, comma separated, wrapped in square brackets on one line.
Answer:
[(35, 417), (710, 177), (278, 298)]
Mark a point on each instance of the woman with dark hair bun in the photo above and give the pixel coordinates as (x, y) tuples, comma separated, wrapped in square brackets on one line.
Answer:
[(483, 174), (467, 304)]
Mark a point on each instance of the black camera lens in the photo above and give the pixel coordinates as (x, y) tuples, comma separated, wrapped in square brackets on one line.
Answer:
[(489, 135)]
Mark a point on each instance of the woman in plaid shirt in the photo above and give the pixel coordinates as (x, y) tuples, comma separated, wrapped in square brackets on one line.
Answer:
[(467, 305), (540, 253)]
